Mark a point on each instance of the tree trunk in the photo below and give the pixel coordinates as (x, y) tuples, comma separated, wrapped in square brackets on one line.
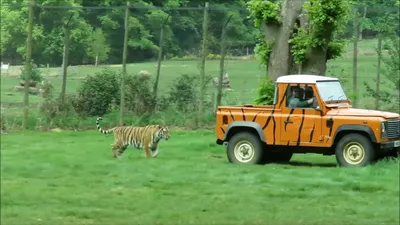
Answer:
[(97, 59), (356, 27), (67, 33), (317, 58), (364, 17), (281, 61), (222, 61), (378, 73)]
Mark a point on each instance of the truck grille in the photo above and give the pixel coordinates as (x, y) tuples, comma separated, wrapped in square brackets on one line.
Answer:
[(393, 128)]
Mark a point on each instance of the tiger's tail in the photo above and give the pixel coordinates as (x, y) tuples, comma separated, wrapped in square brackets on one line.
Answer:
[(109, 131)]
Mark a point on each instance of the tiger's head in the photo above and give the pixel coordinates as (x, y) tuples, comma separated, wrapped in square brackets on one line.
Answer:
[(163, 132)]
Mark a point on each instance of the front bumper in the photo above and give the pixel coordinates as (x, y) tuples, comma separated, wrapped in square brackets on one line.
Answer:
[(390, 144), (219, 142)]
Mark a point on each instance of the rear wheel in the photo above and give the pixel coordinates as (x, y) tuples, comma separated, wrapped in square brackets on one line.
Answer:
[(354, 150), (246, 148)]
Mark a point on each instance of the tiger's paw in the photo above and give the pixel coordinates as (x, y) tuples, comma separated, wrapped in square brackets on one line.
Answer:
[(154, 153)]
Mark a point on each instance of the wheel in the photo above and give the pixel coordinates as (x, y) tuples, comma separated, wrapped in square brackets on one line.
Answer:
[(246, 148), (354, 150), (280, 157)]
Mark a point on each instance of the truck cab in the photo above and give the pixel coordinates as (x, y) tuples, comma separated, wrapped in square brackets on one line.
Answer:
[(310, 114)]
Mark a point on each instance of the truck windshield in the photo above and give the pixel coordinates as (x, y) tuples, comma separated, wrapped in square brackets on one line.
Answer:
[(331, 91)]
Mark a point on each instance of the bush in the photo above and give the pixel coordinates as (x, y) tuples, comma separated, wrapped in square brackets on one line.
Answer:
[(213, 56), (184, 93), (139, 96), (36, 74), (392, 63), (265, 92), (47, 88), (97, 94), (51, 108)]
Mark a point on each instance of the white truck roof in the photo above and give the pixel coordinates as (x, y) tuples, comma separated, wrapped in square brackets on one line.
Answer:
[(303, 79)]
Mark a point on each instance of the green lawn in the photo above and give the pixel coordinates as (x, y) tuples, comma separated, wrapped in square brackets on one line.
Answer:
[(70, 178), (245, 75)]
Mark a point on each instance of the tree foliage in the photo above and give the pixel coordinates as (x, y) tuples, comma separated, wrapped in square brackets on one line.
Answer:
[(96, 95), (314, 26), (265, 93), (103, 29), (182, 33), (98, 48)]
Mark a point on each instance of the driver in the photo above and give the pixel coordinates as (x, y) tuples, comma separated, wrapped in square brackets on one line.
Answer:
[(297, 100), (308, 93)]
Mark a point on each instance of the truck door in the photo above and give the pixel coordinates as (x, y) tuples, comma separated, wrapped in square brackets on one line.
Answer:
[(300, 123)]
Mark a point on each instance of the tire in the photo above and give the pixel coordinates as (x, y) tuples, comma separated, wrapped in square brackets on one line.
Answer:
[(245, 148), (354, 150)]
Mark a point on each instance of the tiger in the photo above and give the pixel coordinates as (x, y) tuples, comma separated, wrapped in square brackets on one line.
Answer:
[(143, 138)]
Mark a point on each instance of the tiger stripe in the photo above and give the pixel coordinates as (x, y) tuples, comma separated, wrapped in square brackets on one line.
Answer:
[(144, 138)]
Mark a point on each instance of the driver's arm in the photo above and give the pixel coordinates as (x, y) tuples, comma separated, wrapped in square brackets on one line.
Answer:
[(305, 103)]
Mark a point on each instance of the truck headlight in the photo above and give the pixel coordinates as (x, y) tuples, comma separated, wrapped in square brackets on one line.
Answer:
[(383, 129)]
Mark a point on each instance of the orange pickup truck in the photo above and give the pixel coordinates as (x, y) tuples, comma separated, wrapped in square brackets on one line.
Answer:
[(310, 114)]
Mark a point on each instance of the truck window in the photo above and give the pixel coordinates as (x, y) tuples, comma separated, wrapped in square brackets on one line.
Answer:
[(331, 90), (297, 96), (276, 95)]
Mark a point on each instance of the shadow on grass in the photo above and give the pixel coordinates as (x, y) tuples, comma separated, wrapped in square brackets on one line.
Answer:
[(308, 164)]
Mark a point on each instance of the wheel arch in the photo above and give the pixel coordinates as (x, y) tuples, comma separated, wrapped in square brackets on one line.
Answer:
[(352, 129), (240, 126)]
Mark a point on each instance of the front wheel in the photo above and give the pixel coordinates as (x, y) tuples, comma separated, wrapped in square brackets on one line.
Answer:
[(246, 148), (354, 150)]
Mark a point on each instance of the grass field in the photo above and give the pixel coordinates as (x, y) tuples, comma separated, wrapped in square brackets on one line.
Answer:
[(245, 75), (70, 178)]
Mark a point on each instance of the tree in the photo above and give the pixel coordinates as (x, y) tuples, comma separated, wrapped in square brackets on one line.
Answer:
[(378, 15), (299, 35), (47, 33), (13, 32), (98, 49), (182, 36), (386, 25)]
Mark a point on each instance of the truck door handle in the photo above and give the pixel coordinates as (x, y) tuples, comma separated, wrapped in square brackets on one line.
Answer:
[(287, 121)]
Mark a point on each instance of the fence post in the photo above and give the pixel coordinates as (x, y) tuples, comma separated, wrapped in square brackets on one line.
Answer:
[(202, 66), (363, 20), (65, 59), (28, 64), (161, 43), (378, 74), (124, 53), (213, 102), (222, 62), (356, 26)]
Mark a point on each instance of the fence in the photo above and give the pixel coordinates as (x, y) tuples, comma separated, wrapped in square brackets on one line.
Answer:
[(162, 44)]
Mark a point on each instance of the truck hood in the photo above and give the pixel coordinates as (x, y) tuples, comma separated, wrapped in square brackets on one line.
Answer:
[(362, 113)]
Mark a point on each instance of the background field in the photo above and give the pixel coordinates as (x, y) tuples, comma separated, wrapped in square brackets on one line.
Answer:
[(72, 179), (245, 75), (68, 176)]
